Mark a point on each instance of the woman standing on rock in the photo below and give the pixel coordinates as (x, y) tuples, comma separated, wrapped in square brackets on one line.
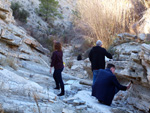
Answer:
[(57, 63)]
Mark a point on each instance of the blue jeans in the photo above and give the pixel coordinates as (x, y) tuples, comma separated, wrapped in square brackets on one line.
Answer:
[(95, 73)]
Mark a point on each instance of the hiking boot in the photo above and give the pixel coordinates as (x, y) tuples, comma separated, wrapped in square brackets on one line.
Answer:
[(57, 88), (61, 94)]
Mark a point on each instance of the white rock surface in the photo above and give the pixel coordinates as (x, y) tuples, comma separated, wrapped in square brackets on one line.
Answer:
[(27, 86)]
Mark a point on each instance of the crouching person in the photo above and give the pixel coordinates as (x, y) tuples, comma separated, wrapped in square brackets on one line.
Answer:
[(107, 85)]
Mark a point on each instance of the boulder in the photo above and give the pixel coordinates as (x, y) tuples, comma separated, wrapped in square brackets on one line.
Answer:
[(135, 57), (6, 12), (35, 67), (10, 38), (81, 107), (35, 44), (25, 49), (4, 8), (142, 36), (12, 54), (21, 86), (125, 35), (24, 57), (120, 110), (67, 111), (2, 15), (78, 102), (3, 51), (80, 76), (132, 62), (139, 104), (17, 30), (86, 82), (123, 51), (75, 67)]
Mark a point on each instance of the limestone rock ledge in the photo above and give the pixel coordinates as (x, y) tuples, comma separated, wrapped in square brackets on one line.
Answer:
[(6, 12), (21, 57), (132, 61)]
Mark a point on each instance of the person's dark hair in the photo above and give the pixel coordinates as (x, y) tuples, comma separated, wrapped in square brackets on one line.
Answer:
[(110, 66), (57, 46)]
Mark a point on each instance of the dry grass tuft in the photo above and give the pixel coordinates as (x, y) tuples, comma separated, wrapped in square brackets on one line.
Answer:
[(144, 23), (36, 100), (1, 109), (106, 18)]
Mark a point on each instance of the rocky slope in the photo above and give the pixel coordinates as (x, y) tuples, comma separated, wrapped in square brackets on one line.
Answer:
[(66, 7), (21, 57), (25, 83), (27, 87), (133, 63)]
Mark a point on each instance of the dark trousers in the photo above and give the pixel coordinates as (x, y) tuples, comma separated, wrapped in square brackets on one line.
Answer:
[(116, 91), (58, 79)]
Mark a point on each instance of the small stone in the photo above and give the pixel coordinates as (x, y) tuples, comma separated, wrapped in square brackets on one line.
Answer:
[(81, 107), (67, 111), (142, 36), (2, 15), (68, 101), (78, 102)]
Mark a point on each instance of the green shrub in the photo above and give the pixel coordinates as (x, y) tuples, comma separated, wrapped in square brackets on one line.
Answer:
[(18, 12), (48, 10), (68, 35), (48, 43), (148, 42), (85, 45), (23, 15)]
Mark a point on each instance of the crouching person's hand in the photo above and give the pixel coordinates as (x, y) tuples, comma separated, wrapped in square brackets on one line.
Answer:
[(130, 84)]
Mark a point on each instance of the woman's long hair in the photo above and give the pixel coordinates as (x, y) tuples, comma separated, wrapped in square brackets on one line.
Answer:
[(57, 46)]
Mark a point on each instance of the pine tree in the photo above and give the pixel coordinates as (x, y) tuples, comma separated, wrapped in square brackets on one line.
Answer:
[(48, 9)]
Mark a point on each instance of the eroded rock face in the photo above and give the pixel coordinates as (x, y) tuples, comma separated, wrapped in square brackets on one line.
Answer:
[(21, 57), (5, 11), (145, 57), (132, 61)]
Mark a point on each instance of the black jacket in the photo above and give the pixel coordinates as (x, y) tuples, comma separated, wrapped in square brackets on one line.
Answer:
[(57, 60), (97, 57)]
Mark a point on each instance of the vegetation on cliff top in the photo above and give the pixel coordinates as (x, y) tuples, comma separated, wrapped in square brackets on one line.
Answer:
[(107, 18)]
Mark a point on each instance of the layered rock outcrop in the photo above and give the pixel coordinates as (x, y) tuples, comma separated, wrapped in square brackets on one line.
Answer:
[(132, 60), (21, 58), (5, 11)]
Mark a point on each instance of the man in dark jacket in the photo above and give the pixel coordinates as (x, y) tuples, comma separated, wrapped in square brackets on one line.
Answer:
[(107, 85), (97, 58)]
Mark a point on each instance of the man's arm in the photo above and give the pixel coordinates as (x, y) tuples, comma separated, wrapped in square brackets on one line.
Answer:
[(108, 55), (90, 55), (118, 85)]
